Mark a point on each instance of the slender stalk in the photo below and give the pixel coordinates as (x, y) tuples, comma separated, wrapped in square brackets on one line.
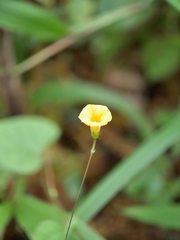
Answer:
[(80, 188)]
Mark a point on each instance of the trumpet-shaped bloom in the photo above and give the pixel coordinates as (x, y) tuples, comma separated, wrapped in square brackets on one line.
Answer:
[(95, 116)]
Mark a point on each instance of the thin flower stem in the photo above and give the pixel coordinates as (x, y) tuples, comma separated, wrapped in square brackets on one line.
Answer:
[(80, 188)]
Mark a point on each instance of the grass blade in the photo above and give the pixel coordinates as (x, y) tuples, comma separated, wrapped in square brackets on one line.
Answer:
[(165, 216), (124, 172)]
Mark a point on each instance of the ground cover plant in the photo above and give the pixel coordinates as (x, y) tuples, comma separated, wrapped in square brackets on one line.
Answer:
[(57, 57)]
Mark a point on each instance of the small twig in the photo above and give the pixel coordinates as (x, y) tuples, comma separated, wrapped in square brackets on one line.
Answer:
[(80, 188)]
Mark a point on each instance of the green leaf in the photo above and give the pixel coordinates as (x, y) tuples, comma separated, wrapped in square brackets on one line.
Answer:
[(43, 221), (32, 213), (170, 192), (161, 58), (132, 166), (79, 92), (5, 215), (113, 16), (26, 18), (105, 5), (87, 233), (174, 3), (148, 185), (79, 11), (166, 216), (22, 142), (48, 230), (131, 21)]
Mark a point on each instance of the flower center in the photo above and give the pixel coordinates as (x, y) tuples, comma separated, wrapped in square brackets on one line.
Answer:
[(96, 118)]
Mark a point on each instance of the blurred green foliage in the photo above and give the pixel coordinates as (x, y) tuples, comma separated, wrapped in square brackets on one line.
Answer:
[(109, 27), (156, 56), (23, 140), (31, 20)]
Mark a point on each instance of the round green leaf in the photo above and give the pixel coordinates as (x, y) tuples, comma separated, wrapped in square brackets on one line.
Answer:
[(23, 140)]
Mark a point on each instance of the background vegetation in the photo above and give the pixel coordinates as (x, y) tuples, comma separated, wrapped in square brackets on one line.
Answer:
[(57, 56)]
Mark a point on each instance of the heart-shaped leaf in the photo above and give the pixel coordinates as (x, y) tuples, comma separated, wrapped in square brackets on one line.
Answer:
[(23, 140)]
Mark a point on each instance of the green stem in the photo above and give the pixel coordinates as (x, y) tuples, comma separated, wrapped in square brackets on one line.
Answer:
[(80, 188)]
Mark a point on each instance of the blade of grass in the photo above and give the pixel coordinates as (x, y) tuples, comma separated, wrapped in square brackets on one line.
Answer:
[(166, 216), (124, 172), (29, 19), (87, 232)]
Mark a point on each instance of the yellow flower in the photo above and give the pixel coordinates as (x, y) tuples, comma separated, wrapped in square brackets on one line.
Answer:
[(95, 116)]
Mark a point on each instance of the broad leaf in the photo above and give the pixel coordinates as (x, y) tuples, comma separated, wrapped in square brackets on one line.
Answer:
[(30, 213), (48, 230), (22, 142)]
